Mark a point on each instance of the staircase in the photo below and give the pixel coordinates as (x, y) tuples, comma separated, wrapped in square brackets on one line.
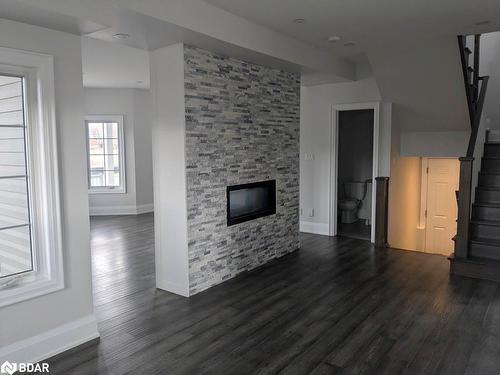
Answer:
[(477, 243), (485, 222)]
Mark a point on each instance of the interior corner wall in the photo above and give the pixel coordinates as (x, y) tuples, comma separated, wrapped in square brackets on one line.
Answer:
[(242, 126), (169, 169), (316, 105), (135, 106), (143, 125), (404, 195), (40, 327), (404, 203)]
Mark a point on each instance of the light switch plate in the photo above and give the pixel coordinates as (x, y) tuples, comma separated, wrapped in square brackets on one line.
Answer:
[(308, 156)]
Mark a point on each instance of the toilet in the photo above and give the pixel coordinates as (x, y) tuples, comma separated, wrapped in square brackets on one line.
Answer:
[(354, 193), (365, 208)]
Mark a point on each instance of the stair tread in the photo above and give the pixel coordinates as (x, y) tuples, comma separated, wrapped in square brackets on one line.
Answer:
[(487, 241), (487, 204), (491, 188), (480, 260), (495, 223), (489, 173), (483, 260), (494, 188), (491, 157), (492, 143)]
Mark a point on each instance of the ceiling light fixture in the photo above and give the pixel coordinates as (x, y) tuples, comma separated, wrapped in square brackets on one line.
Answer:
[(121, 36), (299, 20), (333, 39), (349, 44), (140, 81), (482, 23)]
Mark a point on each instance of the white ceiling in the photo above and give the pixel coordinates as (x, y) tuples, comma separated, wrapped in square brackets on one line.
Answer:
[(370, 24), (410, 45), (149, 33), (19, 11), (155, 23), (104, 64)]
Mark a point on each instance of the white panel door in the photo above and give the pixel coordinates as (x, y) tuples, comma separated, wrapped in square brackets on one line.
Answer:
[(441, 222)]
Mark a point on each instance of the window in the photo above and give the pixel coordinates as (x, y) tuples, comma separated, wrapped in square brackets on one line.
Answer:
[(30, 221), (106, 172), (15, 234)]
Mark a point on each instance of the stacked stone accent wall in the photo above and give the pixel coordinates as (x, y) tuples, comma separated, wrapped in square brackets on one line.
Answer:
[(242, 125)]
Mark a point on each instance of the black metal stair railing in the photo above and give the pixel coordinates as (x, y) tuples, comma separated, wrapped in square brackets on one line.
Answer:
[(475, 90), (475, 86)]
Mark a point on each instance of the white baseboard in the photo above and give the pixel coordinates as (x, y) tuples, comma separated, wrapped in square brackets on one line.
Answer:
[(52, 342), (121, 210), (315, 228), (173, 288), (145, 208)]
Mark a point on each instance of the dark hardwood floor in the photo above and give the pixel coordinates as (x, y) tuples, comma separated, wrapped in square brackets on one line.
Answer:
[(336, 306)]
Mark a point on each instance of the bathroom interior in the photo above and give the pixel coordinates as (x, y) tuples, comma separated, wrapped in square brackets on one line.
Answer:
[(355, 173)]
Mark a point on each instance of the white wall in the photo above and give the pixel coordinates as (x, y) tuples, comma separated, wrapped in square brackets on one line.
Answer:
[(135, 106), (143, 124), (434, 144), (490, 65), (315, 123), (104, 72), (425, 84), (67, 314), (169, 166)]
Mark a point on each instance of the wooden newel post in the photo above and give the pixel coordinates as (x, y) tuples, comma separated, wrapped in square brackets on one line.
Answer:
[(464, 204), (382, 210)]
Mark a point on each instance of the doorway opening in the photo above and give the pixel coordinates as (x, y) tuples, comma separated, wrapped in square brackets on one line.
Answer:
[(355, 171)]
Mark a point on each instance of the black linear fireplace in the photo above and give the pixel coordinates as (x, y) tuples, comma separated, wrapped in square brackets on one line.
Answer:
[(250, 201)]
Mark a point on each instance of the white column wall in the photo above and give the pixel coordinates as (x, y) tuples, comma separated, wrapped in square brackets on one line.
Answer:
[(169, 169)]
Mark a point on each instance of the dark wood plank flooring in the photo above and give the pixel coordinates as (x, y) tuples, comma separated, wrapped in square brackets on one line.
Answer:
[(336, 306)]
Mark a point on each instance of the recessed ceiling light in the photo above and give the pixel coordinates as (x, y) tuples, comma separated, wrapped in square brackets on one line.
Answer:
[(299, 20), (140, 81), (121, 36), (333, 39), (349, 44), (482, 23)]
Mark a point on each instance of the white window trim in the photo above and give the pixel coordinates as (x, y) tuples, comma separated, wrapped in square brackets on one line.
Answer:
[(48, 273), (122, 189)]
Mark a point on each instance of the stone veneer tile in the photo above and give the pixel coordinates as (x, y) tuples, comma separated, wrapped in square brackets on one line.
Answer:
[(242, 125)]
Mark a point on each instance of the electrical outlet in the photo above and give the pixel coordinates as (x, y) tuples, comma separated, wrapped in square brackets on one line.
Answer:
[(311, 212)]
